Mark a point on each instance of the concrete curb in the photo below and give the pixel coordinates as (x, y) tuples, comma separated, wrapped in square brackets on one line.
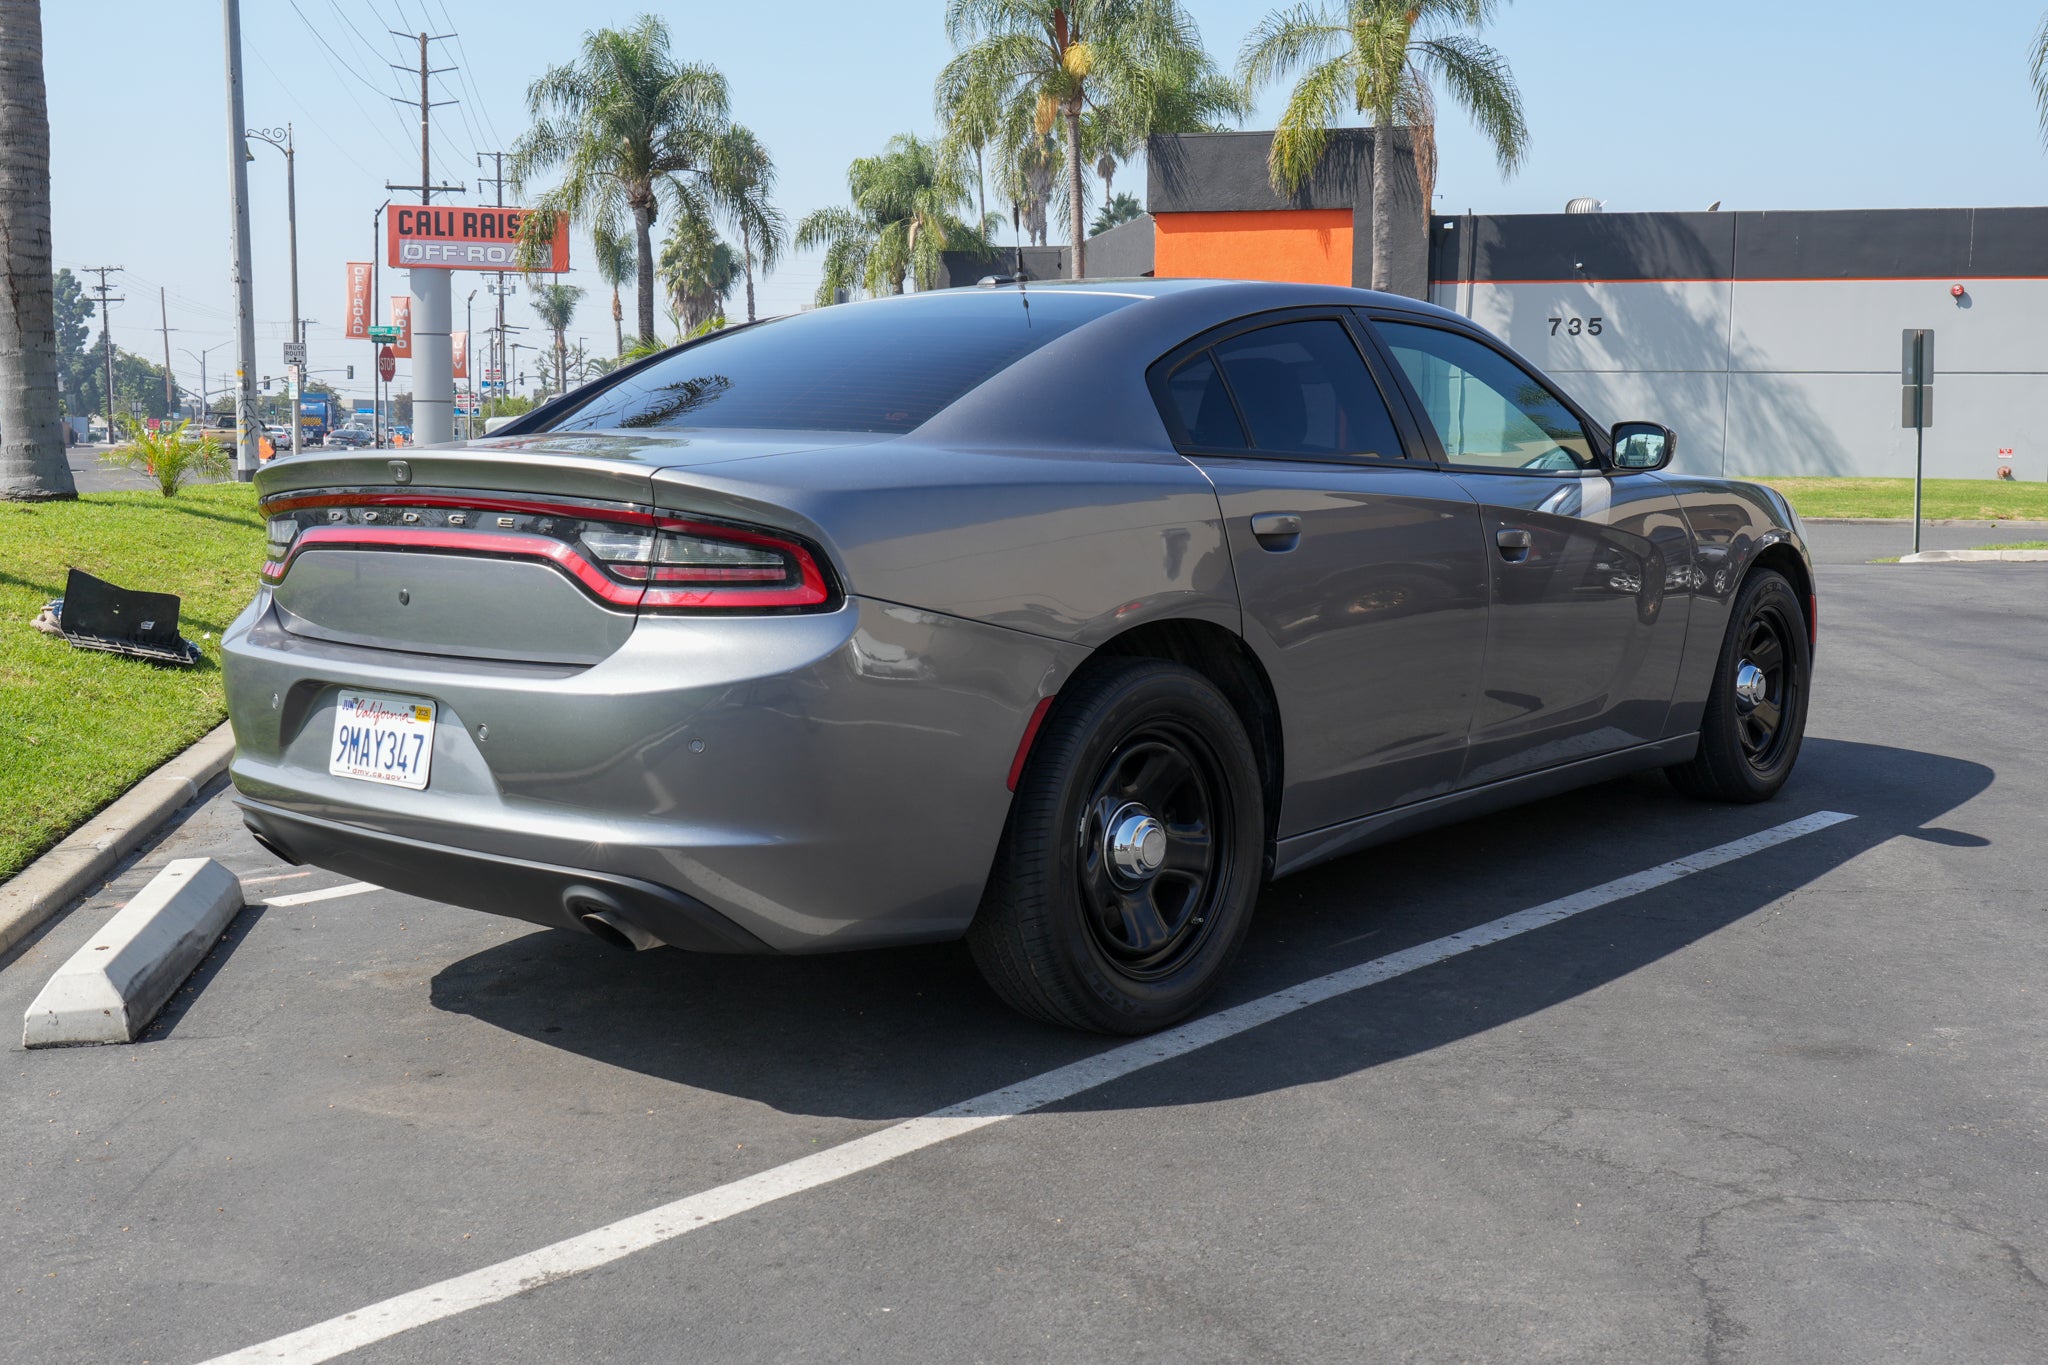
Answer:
[(37, 892), (114, 985), (1976, 557), (1980, 523)]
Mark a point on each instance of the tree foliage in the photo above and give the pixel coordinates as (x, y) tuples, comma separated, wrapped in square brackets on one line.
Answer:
[(745, 167), (633, 131), (1028, 66), (1382, 58), (699, 270), (1120, 209), (905, 214)]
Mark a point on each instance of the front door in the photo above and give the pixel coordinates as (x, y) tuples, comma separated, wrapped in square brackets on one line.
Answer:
[(1588, 566), (1362, 572)]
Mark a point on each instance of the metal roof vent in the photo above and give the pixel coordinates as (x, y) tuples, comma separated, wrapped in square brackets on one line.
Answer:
[(1584, 205)]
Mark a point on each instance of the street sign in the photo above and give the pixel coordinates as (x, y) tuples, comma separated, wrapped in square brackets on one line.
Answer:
[(295, 353), (387, 365), (469, 239), (1916, 404), (386, 334)]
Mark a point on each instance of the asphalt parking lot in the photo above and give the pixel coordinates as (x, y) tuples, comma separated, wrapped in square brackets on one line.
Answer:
[(1790, 1107)]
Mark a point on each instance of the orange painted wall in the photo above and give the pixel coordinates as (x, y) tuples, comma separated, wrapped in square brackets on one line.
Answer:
[(1312, 246)]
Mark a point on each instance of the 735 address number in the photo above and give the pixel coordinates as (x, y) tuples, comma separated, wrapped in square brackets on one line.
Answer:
[(1574, 326)]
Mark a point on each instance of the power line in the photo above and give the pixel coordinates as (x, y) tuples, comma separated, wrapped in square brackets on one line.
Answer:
[(336, 60)]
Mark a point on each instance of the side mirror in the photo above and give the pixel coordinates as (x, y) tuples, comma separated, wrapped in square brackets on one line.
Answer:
[(1640, 446)]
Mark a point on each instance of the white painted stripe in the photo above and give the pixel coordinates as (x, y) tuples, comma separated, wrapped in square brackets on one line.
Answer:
[(326, 894), (587, 1251)]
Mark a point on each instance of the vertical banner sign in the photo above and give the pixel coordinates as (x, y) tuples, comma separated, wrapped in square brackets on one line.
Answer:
[(460, 342), (358, 300), (401, 318)]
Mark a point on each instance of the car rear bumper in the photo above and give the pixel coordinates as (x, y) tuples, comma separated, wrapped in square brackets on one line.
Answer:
[(745, 783)]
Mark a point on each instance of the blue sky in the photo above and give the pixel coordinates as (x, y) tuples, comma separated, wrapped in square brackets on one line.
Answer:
[(1643, 103)]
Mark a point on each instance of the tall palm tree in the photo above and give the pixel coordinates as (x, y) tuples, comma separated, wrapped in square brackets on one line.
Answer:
[(905, 214), (1382, 58), (1044, 62), (633, 129), (699, 270), (1120, 209), (744, 165), (555, 305), (614, 255), (32, 463)]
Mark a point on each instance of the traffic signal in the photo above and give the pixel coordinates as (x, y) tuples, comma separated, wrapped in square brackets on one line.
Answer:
[(351, 372), (266, 383)]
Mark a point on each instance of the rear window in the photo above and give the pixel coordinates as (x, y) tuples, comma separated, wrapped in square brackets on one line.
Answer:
[(883, 367)]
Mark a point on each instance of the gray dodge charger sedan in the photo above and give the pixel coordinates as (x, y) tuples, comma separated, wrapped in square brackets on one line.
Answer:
[(1059, 617)]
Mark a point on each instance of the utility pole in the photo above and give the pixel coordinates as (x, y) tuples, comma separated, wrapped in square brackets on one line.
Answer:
[(107, 332), (283, 142), (245, 304), (163, 313), (433, 358), (496, 179)]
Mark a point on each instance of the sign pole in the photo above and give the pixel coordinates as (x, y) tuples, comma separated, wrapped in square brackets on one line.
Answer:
[(1916, 407)]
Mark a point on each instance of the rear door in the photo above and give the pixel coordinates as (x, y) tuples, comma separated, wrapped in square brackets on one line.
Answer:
[(1587, 566), (1361, 570)]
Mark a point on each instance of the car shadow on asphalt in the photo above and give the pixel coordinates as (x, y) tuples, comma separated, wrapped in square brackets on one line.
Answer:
[(896, 1033)]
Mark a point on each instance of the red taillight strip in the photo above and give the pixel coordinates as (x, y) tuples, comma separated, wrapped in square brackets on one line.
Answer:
[(478, 502), (810, 592)]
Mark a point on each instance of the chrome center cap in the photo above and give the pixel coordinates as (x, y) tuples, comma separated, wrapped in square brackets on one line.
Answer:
[(1137, 842), (1751, 686)]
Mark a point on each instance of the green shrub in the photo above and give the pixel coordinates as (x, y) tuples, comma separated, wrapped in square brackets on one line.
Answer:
[(168, 456)]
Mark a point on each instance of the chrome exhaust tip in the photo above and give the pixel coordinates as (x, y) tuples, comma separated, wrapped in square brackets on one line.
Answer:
[(618, 931)]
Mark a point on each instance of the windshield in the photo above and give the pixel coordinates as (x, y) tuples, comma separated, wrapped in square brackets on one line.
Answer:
[(885, 366)]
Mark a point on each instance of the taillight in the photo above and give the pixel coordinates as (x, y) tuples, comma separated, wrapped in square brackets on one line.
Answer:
[(687, 565)]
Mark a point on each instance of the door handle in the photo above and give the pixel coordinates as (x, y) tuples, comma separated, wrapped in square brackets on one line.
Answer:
[(1277, 531), (1514, 543)]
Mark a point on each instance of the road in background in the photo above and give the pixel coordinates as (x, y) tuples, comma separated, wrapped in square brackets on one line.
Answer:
[(1788, 1109)]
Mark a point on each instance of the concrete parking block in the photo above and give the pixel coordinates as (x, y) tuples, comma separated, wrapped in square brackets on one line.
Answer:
[(114, 985), (1977, 557)]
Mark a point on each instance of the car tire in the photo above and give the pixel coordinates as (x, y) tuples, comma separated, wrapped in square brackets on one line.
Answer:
[(1754, 722), (1094, 918)]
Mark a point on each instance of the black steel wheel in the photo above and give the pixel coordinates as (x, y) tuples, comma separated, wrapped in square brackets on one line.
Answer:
[(1132, 856), (1755, 714)]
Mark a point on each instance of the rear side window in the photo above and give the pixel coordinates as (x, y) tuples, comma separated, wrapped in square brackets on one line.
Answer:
[(885, 366), (1201, 406), (1304, 390)]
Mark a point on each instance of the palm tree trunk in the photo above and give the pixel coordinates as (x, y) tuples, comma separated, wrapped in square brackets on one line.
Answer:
[(981, 188), (1382, 201), (1075, 227), (618, 325), (643, 241), (561, 364), (32, 463), (747, 255)]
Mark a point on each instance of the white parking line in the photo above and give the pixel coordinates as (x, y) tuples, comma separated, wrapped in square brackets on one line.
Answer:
[(575, 1255), (326, 894)]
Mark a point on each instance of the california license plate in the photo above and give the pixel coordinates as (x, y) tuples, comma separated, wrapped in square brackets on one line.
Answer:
[(382, 738)]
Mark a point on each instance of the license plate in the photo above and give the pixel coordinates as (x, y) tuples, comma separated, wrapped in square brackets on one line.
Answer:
[(382, 738)]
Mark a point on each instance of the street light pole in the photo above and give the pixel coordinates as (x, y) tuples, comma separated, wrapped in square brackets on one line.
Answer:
[(469, 364), (282, 140), (245, 305), (376, 351)]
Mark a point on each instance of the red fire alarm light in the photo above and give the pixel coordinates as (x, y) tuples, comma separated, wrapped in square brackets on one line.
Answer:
[(1955, 291)]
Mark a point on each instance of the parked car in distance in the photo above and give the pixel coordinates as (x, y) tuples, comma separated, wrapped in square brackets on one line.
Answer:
[(1060, 617), (350, 435)]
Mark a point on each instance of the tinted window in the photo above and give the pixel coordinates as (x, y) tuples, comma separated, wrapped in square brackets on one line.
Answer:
[(1304, 390), (884, 366), (1202, 414), (1489, 412)]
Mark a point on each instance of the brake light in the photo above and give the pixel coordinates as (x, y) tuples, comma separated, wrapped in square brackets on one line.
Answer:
[(689, 565)]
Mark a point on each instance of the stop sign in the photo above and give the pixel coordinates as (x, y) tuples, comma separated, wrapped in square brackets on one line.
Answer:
[(386, 364)]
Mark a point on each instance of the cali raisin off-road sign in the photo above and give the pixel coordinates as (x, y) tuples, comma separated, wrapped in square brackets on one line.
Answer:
[(461, 238)]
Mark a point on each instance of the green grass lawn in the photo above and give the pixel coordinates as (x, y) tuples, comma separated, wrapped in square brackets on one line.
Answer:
[(2017, 545), (1960, 499), (78, 728)]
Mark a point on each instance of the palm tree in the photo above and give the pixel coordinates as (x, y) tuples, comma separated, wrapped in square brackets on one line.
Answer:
[(32, 463), (614, 256), (744, 165), (1120, 209), (633, 129), (905, 215), (1382, 57), (555, 305), (1043, 62), (1188, 95), (700, 271)]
